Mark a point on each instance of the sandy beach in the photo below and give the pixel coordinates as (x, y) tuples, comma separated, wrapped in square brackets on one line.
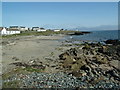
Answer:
[(52, 60), (26, 48)]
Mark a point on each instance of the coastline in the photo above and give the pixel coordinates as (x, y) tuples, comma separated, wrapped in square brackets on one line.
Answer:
[(48, 55)]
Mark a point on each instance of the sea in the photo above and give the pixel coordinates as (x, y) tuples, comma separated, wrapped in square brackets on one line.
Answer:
[(95, 36)]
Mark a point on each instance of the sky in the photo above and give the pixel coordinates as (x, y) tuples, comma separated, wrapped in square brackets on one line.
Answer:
[(60, 0), (82, 15)]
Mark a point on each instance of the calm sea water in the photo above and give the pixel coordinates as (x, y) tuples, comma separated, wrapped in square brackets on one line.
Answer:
[(96, 36)]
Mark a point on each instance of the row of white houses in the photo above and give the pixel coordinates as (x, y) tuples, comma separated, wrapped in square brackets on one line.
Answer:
[(17, 30), (4, 31)]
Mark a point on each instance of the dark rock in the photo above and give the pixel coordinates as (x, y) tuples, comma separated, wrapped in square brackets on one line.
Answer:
[(85, 67), (20, 64), (113, 74), (78, 33), (15, 58), (103, 49), (113, 42), (86, 46), (5, 42)]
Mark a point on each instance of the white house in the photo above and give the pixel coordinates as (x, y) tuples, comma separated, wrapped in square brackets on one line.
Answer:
[(41, 30), (56, 30), (23, 28), (5, 31), (13, 31), (35, 28)]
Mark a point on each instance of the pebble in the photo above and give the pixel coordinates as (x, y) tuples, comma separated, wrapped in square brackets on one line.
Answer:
[(58, 80)]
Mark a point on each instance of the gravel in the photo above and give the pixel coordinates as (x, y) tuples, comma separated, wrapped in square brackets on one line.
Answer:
[(58, 80)]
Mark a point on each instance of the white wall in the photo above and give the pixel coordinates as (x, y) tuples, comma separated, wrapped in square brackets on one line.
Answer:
[(24, 29), (41, 30), (5, 32), (56, 30)]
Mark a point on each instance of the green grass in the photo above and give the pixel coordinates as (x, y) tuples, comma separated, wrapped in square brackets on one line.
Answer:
[(45, 33), (11, 84), (19, 70), (12, 72)]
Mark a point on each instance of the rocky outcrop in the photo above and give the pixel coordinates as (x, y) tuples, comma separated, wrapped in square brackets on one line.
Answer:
[(113, 42), (30, 64), (93, 61), (78, 33)]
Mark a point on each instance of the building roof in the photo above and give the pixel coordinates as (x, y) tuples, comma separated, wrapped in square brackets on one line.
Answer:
[(35, 27), (13, 30), (22, 27), (14, 26), (1, 28)]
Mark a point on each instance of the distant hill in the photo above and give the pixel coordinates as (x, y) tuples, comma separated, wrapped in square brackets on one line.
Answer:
[(102, 27), (79, 27)]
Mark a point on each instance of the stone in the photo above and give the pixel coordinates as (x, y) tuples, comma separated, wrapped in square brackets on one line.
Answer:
[(100, 59), (105, 67), (68, 61), (115, 63), (114, 42), (63, 56), (75, 67), (86, 46), (85, 67)]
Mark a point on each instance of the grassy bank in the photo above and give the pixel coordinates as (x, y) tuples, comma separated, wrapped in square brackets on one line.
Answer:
[(45, 33)]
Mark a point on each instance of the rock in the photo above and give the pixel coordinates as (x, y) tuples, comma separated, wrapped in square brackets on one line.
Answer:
[(113, 42), (78, 33), (94, 71), (100, 60), (93, 65), (86, 47), (92, 52), (5, 42), (33, 61), (63, 56), (15, 58), (72, 52), (115, 64), (20, 64), (95, 61), (75, 67), (103, 49), (68, 61), (85, 67), (105, 67), (91, 74), (114, 74), (76, 73)]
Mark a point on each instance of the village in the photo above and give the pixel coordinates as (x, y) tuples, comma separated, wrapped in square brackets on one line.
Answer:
[(19, 29)]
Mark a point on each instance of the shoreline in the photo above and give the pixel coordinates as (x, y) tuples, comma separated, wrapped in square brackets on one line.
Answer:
[(52, 56)]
